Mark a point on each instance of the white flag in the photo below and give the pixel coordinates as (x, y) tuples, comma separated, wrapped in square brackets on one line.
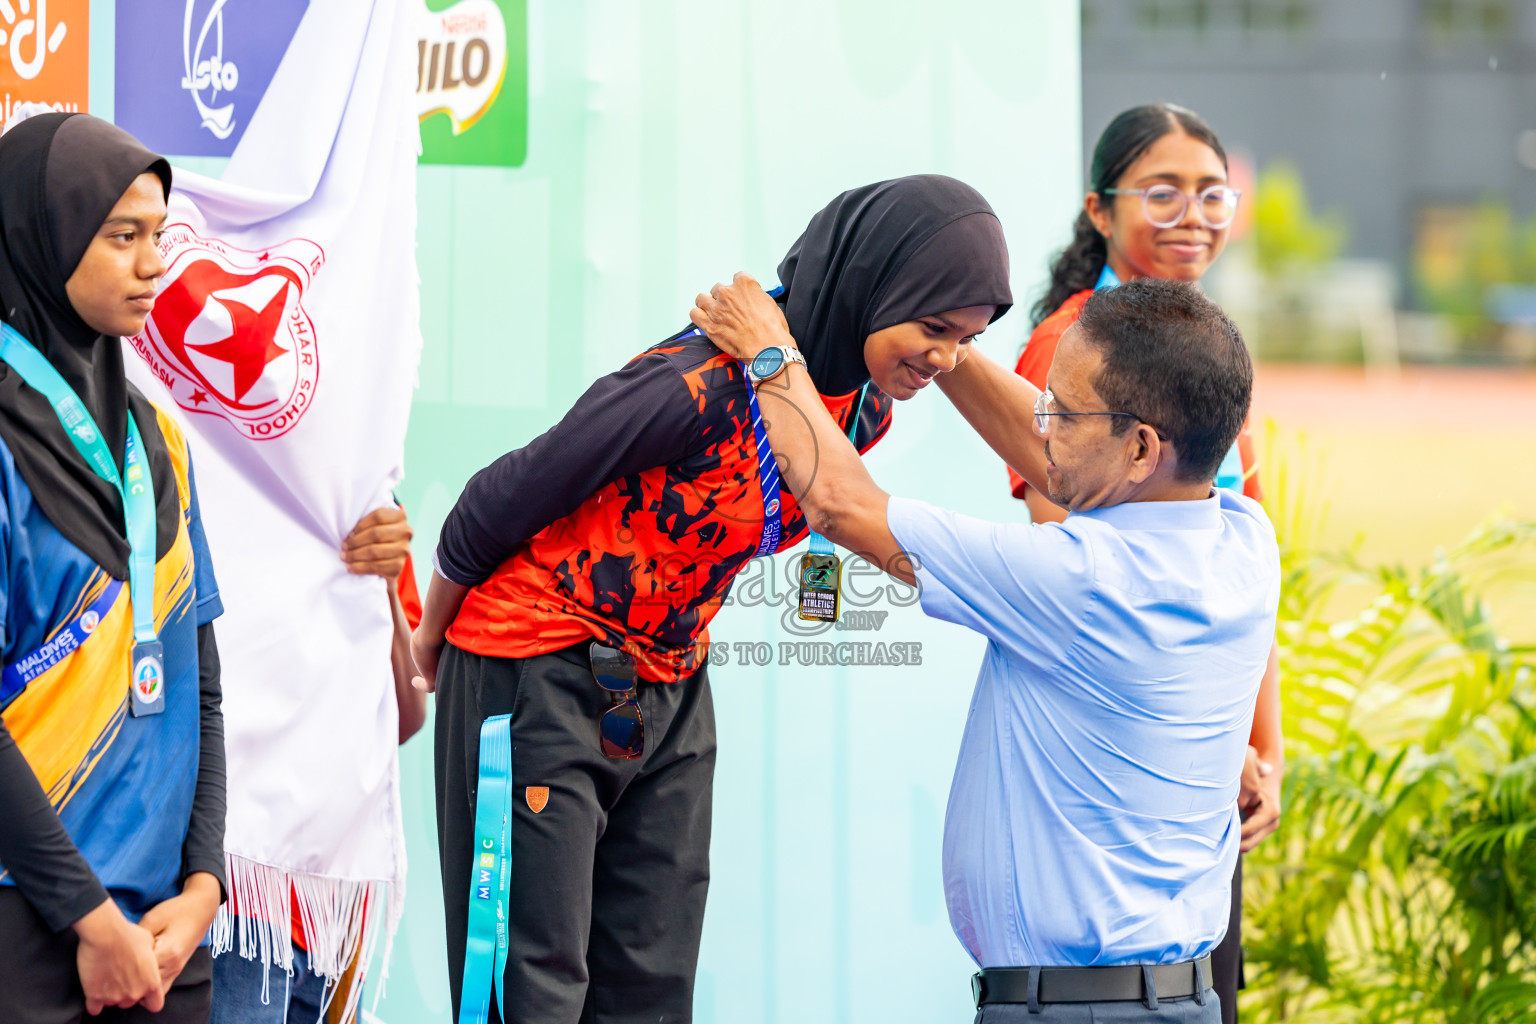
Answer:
[(286, 339)]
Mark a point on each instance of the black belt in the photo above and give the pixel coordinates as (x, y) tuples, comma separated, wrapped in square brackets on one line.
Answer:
[(1130, 982)]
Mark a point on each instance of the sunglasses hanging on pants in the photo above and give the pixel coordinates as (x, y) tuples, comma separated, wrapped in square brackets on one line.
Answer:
[(621, 730)]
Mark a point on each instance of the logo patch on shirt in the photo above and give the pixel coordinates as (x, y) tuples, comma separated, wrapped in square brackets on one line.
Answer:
[(538, 796)]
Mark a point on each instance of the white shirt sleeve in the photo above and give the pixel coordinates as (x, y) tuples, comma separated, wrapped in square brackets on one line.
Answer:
[(1020, 585)]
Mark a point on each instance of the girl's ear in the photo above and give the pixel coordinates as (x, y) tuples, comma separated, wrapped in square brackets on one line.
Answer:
[(1098, 212)]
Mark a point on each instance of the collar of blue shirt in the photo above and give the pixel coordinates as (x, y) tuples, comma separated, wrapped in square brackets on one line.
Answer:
[(1160, 515)]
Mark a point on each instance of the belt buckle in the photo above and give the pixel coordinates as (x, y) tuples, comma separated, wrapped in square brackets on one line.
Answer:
[(978, 988)]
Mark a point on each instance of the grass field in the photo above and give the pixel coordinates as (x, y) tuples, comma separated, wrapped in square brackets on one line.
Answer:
[(1407, 463)]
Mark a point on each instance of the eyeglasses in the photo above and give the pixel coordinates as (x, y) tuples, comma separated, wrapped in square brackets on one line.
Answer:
[(1045, 408), (621, 729), (1166, 205)]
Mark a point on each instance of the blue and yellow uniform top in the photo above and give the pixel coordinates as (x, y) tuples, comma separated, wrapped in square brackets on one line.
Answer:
[(122, 786)]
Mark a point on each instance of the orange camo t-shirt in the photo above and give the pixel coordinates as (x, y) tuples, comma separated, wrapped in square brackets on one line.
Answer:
[(639, 549)]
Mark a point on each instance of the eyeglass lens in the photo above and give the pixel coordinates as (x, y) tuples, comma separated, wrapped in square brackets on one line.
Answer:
[(1166, 205), (623, 731), (613, 669)]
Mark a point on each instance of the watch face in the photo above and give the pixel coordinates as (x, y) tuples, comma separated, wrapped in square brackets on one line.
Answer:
[(767, 363)]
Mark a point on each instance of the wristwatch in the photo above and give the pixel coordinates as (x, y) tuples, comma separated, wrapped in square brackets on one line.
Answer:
[(771, 362)]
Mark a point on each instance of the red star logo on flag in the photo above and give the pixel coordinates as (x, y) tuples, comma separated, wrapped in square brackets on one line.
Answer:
[(251, 344), (229, 335)]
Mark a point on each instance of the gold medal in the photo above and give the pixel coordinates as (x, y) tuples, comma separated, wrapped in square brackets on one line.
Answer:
[(820, 578)]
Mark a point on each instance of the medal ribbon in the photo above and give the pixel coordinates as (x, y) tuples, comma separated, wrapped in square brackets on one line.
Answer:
[(819, 544), (767, 475), (485, 942), (133, 485), (767, 465)]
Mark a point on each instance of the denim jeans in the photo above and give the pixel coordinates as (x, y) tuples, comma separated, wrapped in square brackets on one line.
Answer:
[(237, 995)]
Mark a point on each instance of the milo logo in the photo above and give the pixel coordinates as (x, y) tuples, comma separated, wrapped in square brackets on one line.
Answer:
[(472, 82)]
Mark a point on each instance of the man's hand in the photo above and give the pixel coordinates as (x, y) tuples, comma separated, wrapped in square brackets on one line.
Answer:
[(1259, 799), (379, 544), (179, 924), (116, 961), (741, 318)]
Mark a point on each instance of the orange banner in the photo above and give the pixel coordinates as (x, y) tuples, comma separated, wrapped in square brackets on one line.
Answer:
[(45, 54)]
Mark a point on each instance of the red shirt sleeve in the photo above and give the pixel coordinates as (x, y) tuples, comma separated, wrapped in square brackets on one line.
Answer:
[(1250, 459), (1035, 360), (410, 597)]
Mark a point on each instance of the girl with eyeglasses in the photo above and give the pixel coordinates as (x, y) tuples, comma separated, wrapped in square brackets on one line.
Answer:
[(1160, 205)]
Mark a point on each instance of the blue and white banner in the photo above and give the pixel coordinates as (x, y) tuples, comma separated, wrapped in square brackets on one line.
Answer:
[(190, 73)]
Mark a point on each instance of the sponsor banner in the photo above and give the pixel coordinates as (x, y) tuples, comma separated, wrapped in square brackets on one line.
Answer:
[(190, 73), (45, 54), (472, 82)]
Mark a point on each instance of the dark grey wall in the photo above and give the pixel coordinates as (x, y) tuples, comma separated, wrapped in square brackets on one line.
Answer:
[(1302, 80)]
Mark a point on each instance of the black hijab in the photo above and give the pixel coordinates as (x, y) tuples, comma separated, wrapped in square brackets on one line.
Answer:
[(883, 254), (60, 176)]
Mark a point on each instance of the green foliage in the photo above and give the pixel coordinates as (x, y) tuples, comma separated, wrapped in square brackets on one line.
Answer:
[(1482, 248), (1287, 236), (1462, 254), (1401, 885)]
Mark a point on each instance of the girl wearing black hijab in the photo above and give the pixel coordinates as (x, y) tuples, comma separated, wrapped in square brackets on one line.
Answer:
[(575, 580), (111, 741)]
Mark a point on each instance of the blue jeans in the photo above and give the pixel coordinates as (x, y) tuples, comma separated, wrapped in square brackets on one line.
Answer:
[(237, 986)]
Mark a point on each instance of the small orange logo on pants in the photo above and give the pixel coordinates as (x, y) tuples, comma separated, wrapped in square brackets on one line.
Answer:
[(538, 796)]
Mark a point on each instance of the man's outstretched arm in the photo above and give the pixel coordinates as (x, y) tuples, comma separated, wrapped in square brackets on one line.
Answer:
[(1000, 406), (817, 462)]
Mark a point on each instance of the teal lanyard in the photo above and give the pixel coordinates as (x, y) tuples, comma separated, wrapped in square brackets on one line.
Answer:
[(485, 941), (819, 544), (137, 490)]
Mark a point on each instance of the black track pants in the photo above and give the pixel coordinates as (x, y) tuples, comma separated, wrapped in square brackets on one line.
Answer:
[(609, 877)]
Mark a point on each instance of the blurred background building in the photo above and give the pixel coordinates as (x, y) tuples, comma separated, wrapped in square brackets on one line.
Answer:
[(1387, 151)]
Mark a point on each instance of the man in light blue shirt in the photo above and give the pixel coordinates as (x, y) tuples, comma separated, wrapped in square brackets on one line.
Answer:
[(1093, 824)]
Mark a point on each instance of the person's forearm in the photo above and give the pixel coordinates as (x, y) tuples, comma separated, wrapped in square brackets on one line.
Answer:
[(412, 703), (440, 608), (823, 470), (203, 848), (1000, 406), (1267, 736), (35, 849), (636, 418)]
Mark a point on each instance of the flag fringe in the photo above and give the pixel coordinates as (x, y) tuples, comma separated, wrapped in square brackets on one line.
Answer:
[(341, 920)]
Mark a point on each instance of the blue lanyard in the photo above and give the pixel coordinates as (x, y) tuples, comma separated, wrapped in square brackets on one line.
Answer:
[(134, 485), (767, 465), (485, 942), (767, 475), (819, 544), (1107, 279)]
